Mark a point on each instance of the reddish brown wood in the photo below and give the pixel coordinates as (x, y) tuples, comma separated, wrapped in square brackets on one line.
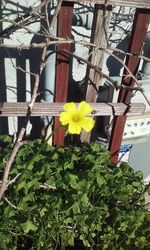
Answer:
[(62, 67), (139, 30)]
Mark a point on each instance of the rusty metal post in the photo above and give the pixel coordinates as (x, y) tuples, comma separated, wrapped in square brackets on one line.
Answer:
[(62, 64), (138, 35)]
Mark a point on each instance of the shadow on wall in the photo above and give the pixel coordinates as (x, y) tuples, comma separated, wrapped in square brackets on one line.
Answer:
[(113, 65), (19, 88), (16, 82), (19, 60)]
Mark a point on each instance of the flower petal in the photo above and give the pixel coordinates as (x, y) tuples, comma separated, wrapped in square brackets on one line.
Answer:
[(74, 128), (65, 118), (84, 108), (87, 123), (70, 107)]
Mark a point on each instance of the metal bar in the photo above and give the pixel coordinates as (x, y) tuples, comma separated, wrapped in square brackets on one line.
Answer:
[(129, 3), (18, 109), (62, 64), (138, 34)]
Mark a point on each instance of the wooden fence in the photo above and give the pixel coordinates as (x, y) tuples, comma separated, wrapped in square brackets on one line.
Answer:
[(119, 110)]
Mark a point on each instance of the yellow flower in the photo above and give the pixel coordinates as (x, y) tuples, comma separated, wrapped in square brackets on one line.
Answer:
[(76, 118)]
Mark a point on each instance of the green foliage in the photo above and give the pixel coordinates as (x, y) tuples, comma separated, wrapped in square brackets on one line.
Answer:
[(71, 194)]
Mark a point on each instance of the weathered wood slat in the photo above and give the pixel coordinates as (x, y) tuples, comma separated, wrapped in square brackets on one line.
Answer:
[(99, 37), (131, 3), (54, 109)]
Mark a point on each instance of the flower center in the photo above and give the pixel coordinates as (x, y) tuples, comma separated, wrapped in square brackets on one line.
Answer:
[(76, 117)]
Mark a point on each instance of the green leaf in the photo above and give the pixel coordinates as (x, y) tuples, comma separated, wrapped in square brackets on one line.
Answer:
[(67, 238), (73, 180), (139, 174), (76, 208), (28, 226), (6, 138), (68, 165), (21, 185), (43, 211), (136, 184), (100, 180), (84, 199), (33, 183)]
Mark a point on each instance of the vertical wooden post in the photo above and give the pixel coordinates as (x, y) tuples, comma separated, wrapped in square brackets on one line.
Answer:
[(62, 64), (99, 37), (138, 34)]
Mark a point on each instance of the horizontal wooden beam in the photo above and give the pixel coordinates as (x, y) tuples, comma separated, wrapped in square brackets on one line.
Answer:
[(12, 109), (144, 4)]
